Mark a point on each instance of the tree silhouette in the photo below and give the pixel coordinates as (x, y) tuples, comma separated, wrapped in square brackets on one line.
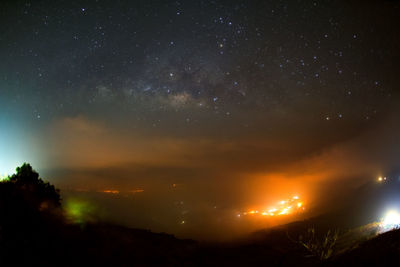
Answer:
[(27, 184), (28, 216)]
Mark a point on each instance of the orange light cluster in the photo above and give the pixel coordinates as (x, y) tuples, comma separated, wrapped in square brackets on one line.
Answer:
[(110, 191), (284, 207), (136, 191), (382, 179), (115, 192)]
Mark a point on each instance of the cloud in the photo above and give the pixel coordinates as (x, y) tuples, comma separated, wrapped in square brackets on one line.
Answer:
[(236, 172), (79, 142), (245, 167)]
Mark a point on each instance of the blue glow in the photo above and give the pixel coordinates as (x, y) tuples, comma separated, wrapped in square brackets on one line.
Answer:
[(15, 148)]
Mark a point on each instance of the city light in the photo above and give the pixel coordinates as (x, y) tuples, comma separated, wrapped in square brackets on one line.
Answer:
[(390, 221), (283, 207), (381, 179)]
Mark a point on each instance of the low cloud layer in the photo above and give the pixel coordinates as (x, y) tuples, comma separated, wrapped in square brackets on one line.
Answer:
[(231, 172)]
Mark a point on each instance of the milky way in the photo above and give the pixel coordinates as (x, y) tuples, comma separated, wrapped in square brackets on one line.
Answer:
[(214, 57)]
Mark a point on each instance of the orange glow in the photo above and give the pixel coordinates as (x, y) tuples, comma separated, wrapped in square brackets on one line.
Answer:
[(137, 191), (284, 207), (110, 191), (284, 211)]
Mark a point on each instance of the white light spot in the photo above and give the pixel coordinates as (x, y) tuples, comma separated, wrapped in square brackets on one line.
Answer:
[(391, 220)]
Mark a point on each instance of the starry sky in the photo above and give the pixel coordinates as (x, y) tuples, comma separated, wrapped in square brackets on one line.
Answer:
[(235, 101)]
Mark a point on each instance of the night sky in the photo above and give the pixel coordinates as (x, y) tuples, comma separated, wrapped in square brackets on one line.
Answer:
[(202, 104)]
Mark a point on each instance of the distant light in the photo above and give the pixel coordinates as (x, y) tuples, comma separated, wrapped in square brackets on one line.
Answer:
[(391, 220), (284, 211), (110, 191), (79, 211), (183, 222), (137, 191), (292, 205), (382, 179)]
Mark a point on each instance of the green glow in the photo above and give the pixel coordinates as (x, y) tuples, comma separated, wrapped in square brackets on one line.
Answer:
[(79, 211), (4, 178)]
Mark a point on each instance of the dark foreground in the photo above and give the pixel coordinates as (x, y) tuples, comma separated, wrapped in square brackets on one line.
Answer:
[(35, 232), (52, 243)]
